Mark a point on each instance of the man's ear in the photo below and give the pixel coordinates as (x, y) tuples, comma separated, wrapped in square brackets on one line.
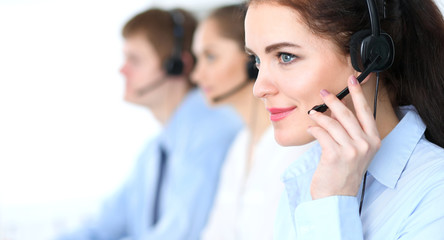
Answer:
[(188, 63)]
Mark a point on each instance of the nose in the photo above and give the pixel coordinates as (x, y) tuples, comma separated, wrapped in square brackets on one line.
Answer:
[(264, 86), (124, 69)]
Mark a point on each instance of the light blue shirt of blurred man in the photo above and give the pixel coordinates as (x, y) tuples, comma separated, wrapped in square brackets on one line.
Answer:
[(195, 154)]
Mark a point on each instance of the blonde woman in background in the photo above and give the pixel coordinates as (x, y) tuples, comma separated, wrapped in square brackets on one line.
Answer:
[(250, 186)]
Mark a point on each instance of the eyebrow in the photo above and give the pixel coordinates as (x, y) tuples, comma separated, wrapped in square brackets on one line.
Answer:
[(274, 47)]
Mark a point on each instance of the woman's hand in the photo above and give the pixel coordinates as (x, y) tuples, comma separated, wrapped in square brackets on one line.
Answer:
[(348, 144)]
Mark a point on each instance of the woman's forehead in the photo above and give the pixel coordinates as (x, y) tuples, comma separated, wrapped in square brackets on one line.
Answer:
[(272, 23)]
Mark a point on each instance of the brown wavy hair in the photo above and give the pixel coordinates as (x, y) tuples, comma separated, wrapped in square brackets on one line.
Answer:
[(417, 28)]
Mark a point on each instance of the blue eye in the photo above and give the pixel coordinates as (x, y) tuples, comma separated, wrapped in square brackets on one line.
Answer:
[(286, 58)]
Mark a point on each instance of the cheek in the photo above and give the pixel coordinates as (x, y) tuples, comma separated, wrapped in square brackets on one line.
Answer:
[(313, 76), (236, 70), (228, 73), (301, 86)]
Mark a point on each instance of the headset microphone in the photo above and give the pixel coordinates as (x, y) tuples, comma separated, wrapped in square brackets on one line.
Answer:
[(152, 86), (252, 73), (231, 92)]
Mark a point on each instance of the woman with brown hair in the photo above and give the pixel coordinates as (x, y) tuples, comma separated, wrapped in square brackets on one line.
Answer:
[(249, 188), (378, 170)]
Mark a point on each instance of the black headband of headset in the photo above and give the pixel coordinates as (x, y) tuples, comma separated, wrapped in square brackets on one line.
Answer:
[(178, 32)]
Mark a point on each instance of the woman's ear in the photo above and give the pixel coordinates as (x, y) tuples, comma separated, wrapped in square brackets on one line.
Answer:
[(349, 63), (357, 73)]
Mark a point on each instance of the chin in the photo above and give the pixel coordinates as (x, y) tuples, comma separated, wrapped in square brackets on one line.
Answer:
[(131, 98), (132, 101), (286, 137), (127, 98)]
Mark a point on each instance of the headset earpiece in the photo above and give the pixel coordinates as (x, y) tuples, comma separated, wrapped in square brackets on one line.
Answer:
[(370, 50), (355, 49), (365, 48), (252, 73), (174, 64), (252, 70)]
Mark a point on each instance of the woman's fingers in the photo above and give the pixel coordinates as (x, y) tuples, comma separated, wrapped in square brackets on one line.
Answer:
[(364, 112), (344, 116), (348, 144), (324, 138), (332, 127)]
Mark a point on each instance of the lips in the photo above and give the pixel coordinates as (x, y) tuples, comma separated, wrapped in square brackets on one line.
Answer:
[(278, 114)]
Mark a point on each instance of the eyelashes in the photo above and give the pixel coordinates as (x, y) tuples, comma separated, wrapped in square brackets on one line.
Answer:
[(286, 58), (283, 58)]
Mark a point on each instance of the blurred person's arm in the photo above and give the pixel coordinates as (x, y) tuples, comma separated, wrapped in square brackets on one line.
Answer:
[(109, 225)]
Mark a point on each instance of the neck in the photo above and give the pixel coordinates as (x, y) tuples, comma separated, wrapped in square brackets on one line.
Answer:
[(255, 117), (252, 112), (386, 119), (176, 91)]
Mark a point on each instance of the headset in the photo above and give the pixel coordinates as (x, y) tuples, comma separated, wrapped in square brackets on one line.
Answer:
[(371, 50), (173, 65), (252, 73), (251, 69)]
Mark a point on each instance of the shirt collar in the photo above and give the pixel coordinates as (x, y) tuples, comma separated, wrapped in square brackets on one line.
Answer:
[(397, 147)]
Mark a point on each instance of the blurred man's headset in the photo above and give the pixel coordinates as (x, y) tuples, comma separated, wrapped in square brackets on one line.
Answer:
[(174, 64)]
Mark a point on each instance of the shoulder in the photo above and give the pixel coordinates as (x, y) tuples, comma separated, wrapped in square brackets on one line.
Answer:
[(422, 185), (425, 168), (428, 155)]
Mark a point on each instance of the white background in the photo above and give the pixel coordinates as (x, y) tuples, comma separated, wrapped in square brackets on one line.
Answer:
[(67, 139)]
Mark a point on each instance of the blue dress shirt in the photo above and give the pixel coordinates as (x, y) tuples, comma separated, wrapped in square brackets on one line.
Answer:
[(404, 196), (196, 140)]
